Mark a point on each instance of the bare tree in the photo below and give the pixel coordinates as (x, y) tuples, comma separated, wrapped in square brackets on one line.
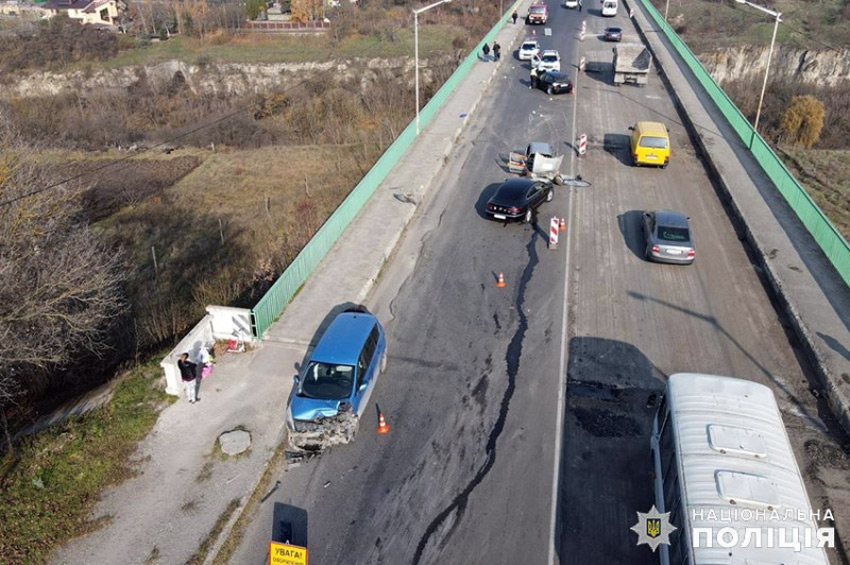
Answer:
[(60, 284)]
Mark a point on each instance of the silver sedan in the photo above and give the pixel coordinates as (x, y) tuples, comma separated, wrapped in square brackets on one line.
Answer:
[(668, 237)]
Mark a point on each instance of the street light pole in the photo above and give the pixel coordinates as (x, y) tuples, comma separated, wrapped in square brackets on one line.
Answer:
[(666, 9), (416, 50), (776, 15)]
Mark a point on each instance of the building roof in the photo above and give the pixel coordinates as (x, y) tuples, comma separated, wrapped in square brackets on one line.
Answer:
[(89, 6)]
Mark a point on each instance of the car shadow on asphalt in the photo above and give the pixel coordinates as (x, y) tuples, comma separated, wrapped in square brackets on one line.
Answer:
[(599, 71), (618, 145), (612, 393), (289, 525), (629, 223)]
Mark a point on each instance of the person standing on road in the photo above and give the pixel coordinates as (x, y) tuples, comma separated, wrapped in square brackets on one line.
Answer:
[(579, 5), (486, 51), (497, 51), (188, 374), (532, 82), (514, 17)]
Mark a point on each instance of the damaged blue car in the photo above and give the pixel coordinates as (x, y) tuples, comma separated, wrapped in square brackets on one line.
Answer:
[(334, 386)]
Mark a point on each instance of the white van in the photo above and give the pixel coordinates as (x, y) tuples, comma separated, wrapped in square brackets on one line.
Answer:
[(609, 8)]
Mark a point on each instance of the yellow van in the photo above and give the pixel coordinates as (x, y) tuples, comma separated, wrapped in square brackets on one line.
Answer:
[(650, 144)]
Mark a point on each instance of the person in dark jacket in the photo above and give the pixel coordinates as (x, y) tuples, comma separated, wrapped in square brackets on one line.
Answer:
[(486, 51), (188, 373), (514, 17), (497, 51)]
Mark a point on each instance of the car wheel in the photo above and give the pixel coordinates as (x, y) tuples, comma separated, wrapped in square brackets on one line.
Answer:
[(550, 90), (528, 216), (646, 254), (550, 195)]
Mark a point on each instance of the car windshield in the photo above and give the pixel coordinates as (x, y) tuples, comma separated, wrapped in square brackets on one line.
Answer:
[(529, 46), (327, 381), (550, 58), (668, 233), (654, 142), (537, 9), (614, 30)]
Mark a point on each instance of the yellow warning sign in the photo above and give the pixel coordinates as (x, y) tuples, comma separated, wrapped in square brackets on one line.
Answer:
[(285, 554)]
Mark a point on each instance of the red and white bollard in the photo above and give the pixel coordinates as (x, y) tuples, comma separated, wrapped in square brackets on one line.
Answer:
[(583, 30), (553, 232), (631, 12), (582, 144), (582, 63)]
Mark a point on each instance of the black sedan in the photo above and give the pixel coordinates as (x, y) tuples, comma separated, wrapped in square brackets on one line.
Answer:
[(613, 34), (516, 199), (553, 82)]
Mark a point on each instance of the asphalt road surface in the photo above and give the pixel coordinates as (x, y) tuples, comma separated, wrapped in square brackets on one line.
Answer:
[(477, 374)]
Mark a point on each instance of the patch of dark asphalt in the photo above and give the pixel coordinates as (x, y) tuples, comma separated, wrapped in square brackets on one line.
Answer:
[(512, 358), (821, 454), (592, 389), (496, 321), (479, 393), (600, 422)]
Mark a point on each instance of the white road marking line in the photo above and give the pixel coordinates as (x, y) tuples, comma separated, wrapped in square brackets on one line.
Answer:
[(562, 368)]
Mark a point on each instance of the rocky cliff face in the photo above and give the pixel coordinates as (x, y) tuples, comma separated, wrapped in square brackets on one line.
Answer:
[(824, 68), (238, 79)]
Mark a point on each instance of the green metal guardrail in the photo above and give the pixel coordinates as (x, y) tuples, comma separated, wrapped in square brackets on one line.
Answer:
[(271, 305), (833, 244)]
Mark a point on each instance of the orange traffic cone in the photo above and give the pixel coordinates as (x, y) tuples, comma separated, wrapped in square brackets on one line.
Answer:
[(563, 224), (501, 282), (383, 427)]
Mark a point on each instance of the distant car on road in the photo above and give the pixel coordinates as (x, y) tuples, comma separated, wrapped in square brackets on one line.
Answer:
[(571, 4), (613, 34), (549, 60), (668, 237), (552, 82), (528, 49), (517, 199), (537, 14), (609, 8)]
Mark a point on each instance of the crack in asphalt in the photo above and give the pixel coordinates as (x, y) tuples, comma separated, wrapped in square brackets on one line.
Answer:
[(512, 357), (420, 255)]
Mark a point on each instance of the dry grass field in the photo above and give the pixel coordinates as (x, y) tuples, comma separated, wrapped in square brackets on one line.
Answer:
[(826, 176)]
